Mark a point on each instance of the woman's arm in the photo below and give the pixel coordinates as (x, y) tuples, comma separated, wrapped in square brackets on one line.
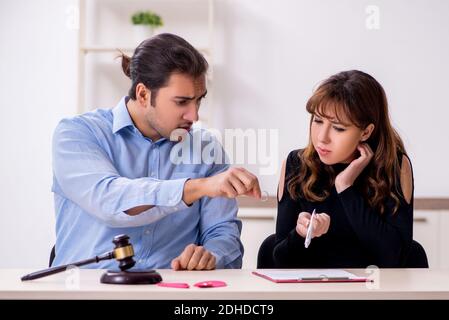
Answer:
[(289, 250), (387, 237)]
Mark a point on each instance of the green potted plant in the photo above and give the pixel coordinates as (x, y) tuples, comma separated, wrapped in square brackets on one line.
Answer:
[(145, 22)]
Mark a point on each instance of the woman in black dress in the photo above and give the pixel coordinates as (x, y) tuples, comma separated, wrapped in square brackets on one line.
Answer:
[(355, 173)]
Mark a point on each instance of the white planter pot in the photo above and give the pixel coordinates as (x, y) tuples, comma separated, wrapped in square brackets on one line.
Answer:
[(142, 32)]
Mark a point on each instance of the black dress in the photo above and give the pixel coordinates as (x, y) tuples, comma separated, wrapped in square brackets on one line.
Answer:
[(358, 236)]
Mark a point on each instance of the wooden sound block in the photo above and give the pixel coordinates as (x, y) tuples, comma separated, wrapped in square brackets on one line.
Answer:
[(131, 277)]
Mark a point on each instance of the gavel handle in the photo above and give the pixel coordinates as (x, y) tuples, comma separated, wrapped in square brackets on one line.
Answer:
[(53, 270)]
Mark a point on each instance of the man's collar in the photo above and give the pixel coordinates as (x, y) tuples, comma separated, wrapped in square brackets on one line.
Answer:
[(121, 119), (120, 116)]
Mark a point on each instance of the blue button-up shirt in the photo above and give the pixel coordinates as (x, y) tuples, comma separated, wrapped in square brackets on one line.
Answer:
[(103, 166)]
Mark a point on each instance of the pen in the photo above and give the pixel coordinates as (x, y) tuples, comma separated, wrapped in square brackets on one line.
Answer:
[(309, 231)]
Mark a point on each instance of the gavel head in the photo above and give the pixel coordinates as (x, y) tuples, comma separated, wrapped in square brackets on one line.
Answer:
[(123, 252)]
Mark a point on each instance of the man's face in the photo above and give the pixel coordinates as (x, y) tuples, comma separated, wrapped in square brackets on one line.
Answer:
[(176, 105)]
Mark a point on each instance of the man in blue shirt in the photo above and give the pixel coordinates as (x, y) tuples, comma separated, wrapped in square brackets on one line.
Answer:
[(115, 171)]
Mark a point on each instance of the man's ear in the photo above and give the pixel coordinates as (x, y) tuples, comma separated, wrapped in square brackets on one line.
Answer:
[(367, 132), (143, 95)]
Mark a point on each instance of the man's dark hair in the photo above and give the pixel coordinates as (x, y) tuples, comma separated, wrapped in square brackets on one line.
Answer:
[(156, 58)]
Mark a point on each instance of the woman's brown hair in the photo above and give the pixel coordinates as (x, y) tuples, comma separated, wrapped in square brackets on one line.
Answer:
[(360, 98)]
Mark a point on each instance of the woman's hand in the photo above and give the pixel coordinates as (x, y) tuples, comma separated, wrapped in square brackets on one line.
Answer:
[(346, 178), (320, 226)]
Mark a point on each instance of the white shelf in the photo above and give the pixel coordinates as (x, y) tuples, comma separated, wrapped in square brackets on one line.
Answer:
[(86, 49), (105, 49), (101, 49)]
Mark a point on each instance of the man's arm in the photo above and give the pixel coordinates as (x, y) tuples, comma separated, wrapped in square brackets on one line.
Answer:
[(86, 176), (138, 210), (219, 227), (230, 184), (194, 189), (219, 245)]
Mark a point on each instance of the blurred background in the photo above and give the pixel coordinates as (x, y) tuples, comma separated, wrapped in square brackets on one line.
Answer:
[(57, 59)]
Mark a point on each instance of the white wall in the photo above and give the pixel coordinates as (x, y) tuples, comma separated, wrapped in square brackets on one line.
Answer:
[(269, 56), (272, 54), (38, 87)]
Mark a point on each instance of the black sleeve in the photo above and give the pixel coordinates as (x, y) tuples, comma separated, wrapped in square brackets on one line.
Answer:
[(289, 248), (388, 237)]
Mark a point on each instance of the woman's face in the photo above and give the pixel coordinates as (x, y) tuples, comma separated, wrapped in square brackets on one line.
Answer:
[(335, 141)]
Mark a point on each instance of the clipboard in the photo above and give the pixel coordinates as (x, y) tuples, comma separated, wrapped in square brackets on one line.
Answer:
[(309, 276)]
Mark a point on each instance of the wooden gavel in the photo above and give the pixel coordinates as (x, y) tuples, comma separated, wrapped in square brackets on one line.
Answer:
[(123, 253)]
